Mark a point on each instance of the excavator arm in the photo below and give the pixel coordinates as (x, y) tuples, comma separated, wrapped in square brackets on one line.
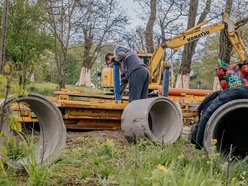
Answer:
[(234, 38), (157, 64)]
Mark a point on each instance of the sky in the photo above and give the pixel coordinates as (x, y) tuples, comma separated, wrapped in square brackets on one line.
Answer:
[(132, 9)]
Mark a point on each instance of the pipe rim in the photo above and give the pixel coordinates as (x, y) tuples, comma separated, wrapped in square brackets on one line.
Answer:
[(176, 108), (143, 129), (216, 116), (60, 134)]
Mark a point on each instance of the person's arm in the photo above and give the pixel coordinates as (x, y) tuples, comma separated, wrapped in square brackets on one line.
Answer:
[(124, 83), (123, 88)]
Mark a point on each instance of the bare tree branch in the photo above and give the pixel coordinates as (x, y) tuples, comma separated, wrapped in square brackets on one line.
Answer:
[(241, 23)]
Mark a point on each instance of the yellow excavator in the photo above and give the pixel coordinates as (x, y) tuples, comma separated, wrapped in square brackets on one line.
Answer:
[(95, 111), (156, 64)]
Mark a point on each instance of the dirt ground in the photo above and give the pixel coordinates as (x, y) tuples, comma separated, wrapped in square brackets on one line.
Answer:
[(116, 135), (102, 135)]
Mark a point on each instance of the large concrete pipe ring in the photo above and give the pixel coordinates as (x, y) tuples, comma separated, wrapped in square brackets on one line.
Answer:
[(228, 124), (52, 129), (158, 119)]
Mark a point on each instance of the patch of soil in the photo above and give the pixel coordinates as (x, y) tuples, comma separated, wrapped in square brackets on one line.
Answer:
[(79, 183), (102, 135)]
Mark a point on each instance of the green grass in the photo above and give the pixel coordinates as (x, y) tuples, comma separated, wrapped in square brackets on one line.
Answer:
[(90, 161), (47, 88)]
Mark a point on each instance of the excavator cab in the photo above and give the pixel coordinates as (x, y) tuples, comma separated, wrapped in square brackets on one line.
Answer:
[(145, 57)]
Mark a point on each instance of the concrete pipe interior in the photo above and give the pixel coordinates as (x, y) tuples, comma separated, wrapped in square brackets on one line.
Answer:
[(232, 129), (161, 119), (229, 126), (158, 119), (52, 130)]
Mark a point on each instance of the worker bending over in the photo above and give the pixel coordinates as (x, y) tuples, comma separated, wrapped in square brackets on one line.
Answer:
[(134, 72)]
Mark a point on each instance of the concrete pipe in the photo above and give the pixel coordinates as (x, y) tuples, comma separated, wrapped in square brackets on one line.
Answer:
[(158, 119), (228, 125), (52, 129)]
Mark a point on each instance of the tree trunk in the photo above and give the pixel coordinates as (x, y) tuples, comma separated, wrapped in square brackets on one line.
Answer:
[(140, 34), (149, 27), (189, 49), (85, 78), (62, 80), (88, 58), (216, 85), (182, 81), (63, 66), (31, 77), (225, 47)]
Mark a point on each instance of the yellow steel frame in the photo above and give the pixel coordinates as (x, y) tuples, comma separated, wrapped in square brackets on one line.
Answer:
[(99, 111)]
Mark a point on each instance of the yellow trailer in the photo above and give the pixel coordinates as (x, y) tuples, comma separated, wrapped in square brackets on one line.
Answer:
[(97, 111)]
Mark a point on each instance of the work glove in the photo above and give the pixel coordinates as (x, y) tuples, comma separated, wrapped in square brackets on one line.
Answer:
[(113, 60)]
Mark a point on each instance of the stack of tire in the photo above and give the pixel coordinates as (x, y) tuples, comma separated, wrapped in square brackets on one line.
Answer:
[(232, 75)]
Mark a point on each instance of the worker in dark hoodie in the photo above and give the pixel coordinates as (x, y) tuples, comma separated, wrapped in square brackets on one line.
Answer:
[(134, 73)]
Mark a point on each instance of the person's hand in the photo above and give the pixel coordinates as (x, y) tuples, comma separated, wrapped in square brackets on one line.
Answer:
[(113, 60), (122, 75), (124, 80)]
